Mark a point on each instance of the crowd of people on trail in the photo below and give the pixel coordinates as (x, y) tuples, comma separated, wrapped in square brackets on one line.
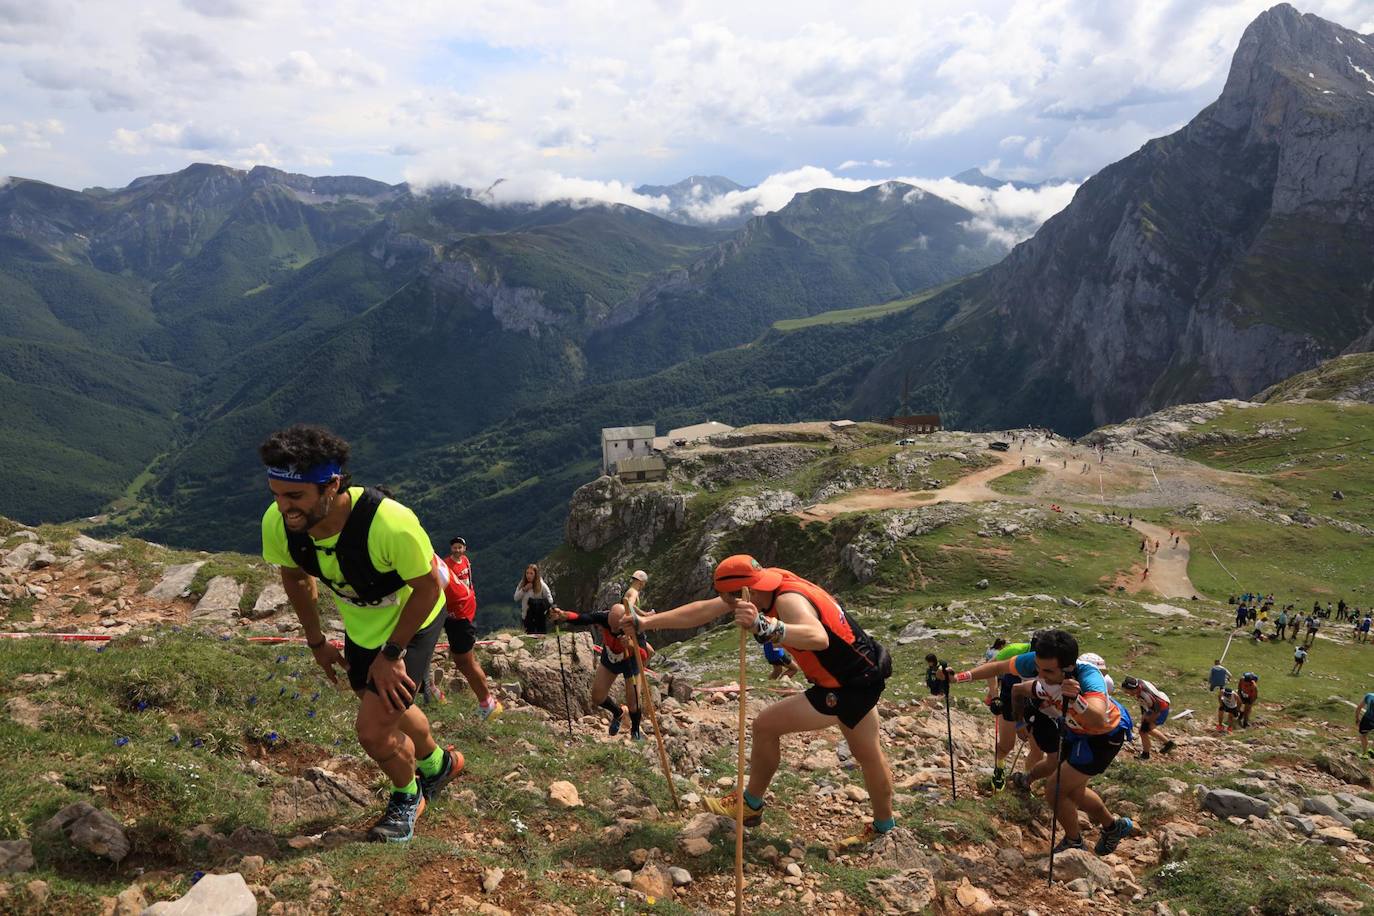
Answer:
[(1254, 612), (396, 596)]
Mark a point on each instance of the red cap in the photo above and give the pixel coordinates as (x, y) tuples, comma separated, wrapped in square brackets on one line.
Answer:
[(743, 571)]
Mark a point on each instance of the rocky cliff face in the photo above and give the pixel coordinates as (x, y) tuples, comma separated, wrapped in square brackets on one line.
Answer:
[(1208, 264)]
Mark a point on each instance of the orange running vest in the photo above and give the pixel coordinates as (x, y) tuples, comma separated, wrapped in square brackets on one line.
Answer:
[(851, 658)]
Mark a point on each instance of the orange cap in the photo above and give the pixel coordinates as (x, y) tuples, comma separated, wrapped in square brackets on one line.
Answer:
[(743, 571)]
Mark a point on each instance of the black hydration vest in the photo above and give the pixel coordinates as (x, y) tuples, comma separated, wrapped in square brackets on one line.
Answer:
[(370, 586)]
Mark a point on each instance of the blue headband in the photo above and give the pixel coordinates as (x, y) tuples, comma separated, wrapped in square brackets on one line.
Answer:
[(320, 473)]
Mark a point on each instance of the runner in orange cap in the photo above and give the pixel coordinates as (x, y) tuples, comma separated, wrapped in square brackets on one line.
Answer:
[(847, 669)]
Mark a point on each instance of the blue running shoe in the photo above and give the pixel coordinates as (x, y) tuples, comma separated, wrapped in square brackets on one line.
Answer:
[(1113, 835), (397, 824)]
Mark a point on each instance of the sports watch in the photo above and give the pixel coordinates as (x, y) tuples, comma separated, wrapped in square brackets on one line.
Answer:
[(393, 651)]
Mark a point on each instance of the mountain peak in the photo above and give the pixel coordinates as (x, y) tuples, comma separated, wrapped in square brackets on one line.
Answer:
[(1288, 62)]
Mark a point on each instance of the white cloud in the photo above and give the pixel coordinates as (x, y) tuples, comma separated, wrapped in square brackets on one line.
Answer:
[(1005, 215), (34, 135), (602, 90), (3, 151), (863, 163), (220, 9), (542, 187)]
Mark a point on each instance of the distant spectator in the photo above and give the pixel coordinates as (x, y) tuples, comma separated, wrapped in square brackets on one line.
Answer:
[(535, 599), (1299, 657), (1218, 677)]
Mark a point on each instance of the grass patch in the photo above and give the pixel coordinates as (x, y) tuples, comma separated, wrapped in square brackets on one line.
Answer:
[(1018, 483), (863, 313)]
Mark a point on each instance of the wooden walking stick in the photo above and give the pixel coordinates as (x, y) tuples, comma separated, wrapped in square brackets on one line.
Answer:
[(648, 702), (739, 775)]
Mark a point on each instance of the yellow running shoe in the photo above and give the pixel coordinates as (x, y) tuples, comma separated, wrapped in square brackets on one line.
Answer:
[(862, 838), (728, 806), (487, 713)]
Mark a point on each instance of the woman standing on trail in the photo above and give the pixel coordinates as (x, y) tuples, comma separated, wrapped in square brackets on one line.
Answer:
[(535, 599)]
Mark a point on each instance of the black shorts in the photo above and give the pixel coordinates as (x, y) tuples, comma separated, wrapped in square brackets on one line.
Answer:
[(1229, 711), (1092, 754), (848, 704), (1045, 731), (1366, 725), (1008, 681), (462, 635), (419, 651), (622, 667)]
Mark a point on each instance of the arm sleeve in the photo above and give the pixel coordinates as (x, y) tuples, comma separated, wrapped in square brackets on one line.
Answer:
[(547, 592), (593, 618)]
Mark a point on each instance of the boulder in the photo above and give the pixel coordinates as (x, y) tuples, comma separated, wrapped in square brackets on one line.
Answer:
[(563, 795), (696, 846), (175, 581), (1073, 864), (909, 891), (212, 895), (681, 876), (320, 795), (974, 899), (702, 825), (542, 682), (1226, 803), (220, 601), (653, 881), (271, 599), (1359, 809), (623, 877), (130, 901), (1304, 825), (491, 879), (89, 545), (1336, 836), (91, 829), (28, 556), (15, 856), (1327, 806)]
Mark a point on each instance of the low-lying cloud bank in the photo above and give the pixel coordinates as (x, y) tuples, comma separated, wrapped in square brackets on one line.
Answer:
[(1006, 215)]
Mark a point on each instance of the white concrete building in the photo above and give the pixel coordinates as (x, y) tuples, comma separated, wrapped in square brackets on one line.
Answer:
[(624, 442)]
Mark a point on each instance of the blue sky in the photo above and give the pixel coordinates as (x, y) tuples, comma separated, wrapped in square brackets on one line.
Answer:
[(597, 96)]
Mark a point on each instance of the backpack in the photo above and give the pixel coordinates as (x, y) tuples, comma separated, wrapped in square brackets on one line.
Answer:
[(370, 585)]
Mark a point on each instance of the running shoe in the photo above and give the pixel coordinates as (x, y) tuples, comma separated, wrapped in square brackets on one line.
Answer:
[(449, 767), (728, 805), (1113, 835), (636, 735), (999, 779), (1144, 755), (1021, 781), (1068, 843), (487, 713), (615, 723), (397, 824), (1167, 746), (862, 838)]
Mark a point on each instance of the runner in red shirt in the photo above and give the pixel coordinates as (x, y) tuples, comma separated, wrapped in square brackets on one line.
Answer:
[(458, 624)]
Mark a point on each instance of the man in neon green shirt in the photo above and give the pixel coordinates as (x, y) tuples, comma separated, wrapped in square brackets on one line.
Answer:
[(372, 552)]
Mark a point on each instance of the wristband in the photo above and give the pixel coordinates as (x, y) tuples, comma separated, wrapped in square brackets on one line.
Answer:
[(316, 645), (963, 676)]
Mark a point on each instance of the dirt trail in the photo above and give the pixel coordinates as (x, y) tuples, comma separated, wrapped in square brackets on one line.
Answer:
[(1068, 473), (971, 488), (1168, 565)]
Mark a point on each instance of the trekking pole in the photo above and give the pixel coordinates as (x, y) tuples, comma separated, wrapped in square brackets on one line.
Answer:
[(648, 703), (949, 737), (739, 774), (563, 674), (1058, 769)]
